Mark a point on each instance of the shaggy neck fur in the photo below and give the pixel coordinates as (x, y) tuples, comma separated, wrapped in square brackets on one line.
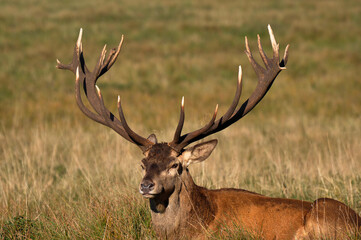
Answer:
[(187, 208)]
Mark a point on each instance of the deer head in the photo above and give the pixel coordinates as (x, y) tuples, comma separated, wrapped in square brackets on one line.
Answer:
[(163, 163)]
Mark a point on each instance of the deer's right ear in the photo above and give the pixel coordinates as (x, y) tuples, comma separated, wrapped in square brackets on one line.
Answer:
[(198, 153)]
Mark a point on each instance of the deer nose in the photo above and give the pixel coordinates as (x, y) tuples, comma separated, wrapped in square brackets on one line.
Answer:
[(146, 186)]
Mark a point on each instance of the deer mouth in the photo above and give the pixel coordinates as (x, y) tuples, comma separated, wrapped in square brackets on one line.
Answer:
[(150, 194)]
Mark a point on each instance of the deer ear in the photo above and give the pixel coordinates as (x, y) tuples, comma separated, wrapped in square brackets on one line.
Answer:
[(198, 153), (153, 138)]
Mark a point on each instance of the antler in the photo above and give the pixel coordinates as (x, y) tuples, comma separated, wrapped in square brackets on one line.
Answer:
[(88, 80), (266, 76)]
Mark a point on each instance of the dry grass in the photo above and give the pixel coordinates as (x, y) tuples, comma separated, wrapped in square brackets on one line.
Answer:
[(64, 177)]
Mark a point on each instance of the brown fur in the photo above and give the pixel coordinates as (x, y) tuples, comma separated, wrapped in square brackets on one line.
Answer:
[(180, 208), (188, 211)]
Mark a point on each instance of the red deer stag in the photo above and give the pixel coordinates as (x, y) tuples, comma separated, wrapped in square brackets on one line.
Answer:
[(180, 208)]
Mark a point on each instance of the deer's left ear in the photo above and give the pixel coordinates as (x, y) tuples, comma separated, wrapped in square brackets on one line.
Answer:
[(198, 153), (153, 138)]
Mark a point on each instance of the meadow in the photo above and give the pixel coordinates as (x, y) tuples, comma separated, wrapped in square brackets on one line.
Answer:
[(64, 176)]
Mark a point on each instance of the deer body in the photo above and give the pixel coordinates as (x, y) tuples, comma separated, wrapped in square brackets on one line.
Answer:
[(180, 208), (197, 211), (188, 211)]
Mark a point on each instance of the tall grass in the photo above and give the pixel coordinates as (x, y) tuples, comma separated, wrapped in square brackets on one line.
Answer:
[(64, 177)]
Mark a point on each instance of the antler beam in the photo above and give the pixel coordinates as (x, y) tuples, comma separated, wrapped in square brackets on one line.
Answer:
[(266, 76), (88, 80)]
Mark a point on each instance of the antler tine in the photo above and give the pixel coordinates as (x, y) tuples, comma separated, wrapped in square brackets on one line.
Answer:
[(285, 58), (59, 65), (275, 46), (80, 103), (112, 57), (210, 124), (79, 44), (99, 66), (179, 128), (253, 62), (130, 136), (236, 98), (140, 141), (195, 134), (108, 116), (261, 52), (266, 76), (76, 56), (114, 54)]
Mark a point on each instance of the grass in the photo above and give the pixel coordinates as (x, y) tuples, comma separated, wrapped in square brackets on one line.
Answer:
[(64, 177)]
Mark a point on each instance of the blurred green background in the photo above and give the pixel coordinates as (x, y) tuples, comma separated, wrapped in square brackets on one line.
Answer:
[(64, 176), (176, 48)]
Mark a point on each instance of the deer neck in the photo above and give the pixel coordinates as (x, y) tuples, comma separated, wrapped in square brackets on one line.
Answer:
[(187, 207)]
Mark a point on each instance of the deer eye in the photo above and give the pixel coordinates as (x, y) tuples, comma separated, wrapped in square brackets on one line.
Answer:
[(174, 165)]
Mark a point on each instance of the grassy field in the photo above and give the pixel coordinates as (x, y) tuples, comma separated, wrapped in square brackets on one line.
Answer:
[(64, 176)]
